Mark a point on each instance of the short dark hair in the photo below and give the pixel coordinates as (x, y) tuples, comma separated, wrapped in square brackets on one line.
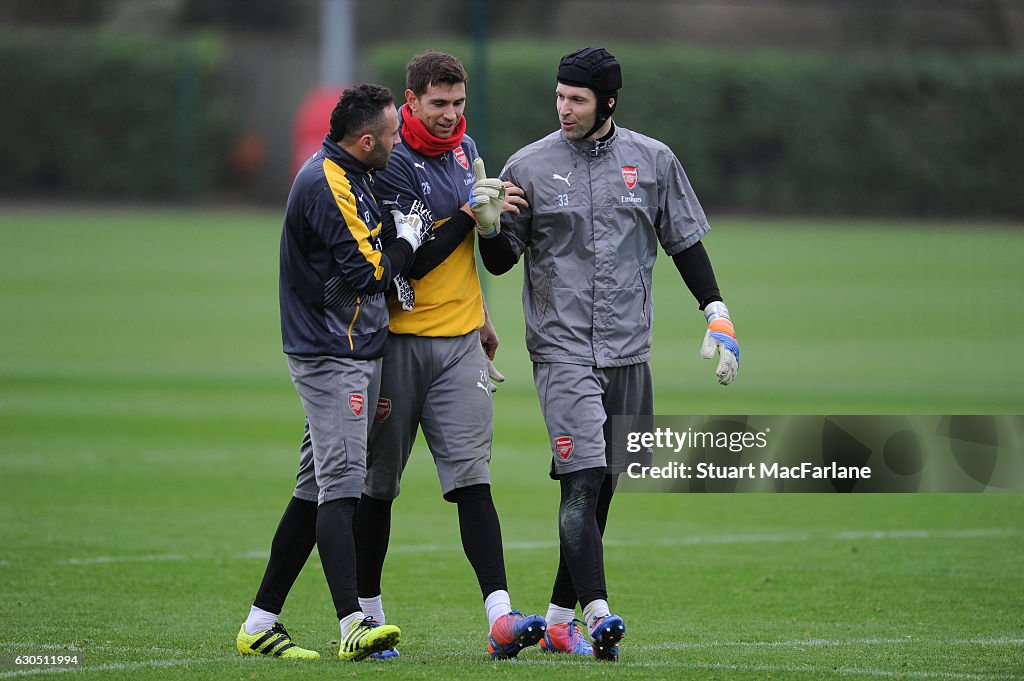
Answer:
[(433, 68), (360, 110)]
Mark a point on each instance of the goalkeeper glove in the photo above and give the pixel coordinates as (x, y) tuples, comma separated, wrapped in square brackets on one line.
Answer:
[(486, 201), (411, 228), (721, 337), (494, 375), (405, 293)]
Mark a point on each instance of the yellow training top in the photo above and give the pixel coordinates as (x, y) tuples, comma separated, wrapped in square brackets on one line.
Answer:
[(448, 299)]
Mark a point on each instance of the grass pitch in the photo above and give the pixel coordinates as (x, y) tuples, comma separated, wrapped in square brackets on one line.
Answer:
[(149, 432)]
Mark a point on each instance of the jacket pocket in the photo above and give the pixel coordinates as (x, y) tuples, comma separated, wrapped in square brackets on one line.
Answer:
[(540, 293), (338, 295), (352, 324), (622, 325), (645, 307), (351, 315)]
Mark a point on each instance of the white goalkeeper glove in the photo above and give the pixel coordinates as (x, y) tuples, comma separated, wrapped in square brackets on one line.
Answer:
[(405, 293), (721, 338), (411, 228), (486, 201), (494, 375)]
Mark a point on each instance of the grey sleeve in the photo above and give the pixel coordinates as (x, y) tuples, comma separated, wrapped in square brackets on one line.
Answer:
[(516, 227), (681, 221)]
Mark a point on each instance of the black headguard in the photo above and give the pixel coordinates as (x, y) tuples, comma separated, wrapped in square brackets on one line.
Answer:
[(597, 69)]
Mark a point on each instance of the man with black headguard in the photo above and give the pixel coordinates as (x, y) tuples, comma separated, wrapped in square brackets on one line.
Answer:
[(601, 198)]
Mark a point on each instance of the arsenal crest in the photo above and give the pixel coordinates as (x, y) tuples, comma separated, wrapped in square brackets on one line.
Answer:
[(355, 402), (460, 158), (629, 176), (563, 447), (383, 409)]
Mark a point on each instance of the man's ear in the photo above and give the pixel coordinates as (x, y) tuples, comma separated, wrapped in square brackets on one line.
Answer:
[(367, 142), (411, 100)]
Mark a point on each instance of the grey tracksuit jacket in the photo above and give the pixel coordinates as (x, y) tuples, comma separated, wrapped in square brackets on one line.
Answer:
[(597, 213)]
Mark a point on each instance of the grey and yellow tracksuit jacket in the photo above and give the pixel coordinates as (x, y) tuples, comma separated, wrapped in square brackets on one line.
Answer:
[(333, 273)]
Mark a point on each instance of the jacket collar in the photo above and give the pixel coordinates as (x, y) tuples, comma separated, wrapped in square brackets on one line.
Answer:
[(347, 161), (591, 148)]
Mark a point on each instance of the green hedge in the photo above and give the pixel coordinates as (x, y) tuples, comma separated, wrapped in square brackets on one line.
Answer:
[(93, 114), (920, 134)]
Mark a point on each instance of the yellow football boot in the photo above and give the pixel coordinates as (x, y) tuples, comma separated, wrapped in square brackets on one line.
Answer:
[(273, 642), (367, 637)]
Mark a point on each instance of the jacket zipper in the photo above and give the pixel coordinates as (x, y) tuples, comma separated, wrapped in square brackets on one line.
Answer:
[(448, 174), (643, 284), (593, 293), (351, 345)]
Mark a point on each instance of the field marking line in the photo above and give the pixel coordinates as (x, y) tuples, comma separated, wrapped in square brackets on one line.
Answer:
[(822, 672), (927, 534), (692, 645), (709, 540), (102, 560), (111, 666), (816, 643), (71, 647)]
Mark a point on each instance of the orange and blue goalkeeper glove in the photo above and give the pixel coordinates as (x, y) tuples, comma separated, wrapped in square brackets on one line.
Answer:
[(721, 337)]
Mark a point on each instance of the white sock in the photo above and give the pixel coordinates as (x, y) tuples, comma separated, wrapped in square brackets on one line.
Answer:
[(373, 607), (498, 603), (595, 608), (350, 620), (259, 620), (559, 615)]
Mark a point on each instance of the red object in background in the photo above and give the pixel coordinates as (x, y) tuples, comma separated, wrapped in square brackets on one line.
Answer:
[(312, 122), (249, 156)]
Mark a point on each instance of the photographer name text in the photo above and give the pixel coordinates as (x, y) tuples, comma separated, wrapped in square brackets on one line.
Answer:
[(763, 471)]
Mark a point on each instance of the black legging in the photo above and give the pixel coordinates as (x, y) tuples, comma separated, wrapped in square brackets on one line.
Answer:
[(582, 517), (478, 525)]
